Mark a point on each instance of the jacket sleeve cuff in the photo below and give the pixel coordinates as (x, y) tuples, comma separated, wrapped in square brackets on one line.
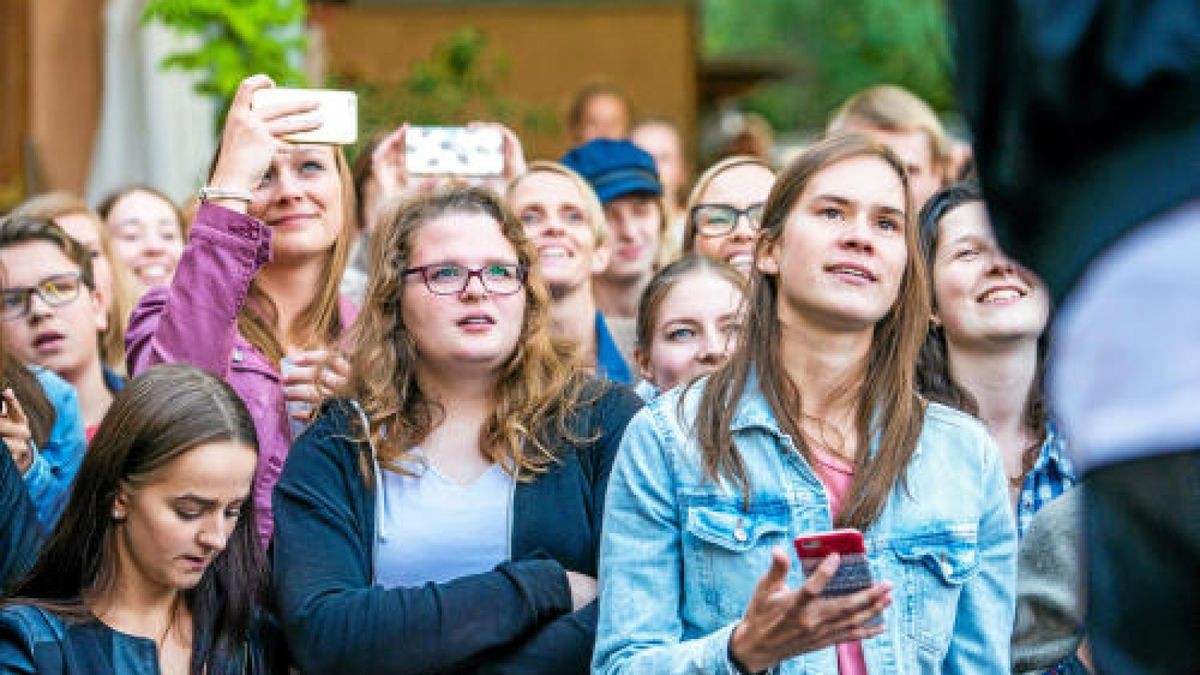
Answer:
[(544, 585)]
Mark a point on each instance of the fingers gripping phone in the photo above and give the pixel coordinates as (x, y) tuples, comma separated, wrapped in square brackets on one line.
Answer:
[(853, 573), (459, 151), (338, 111)]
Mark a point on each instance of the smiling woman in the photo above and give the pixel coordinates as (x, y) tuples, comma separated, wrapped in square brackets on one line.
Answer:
[(154, 565), (146, 231), (259, 278)]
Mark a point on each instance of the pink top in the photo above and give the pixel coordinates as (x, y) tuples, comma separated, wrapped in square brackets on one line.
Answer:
[(836, 475)]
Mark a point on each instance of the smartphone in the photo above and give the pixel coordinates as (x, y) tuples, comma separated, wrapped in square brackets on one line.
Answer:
[(853, 573), (458, 151), (338, 111)]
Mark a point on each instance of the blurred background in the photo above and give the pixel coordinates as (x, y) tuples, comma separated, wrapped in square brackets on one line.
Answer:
[(102, 93)]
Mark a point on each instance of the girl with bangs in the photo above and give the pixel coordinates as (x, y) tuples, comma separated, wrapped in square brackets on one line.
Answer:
[(255, 291), (813, 424), (446, 517)]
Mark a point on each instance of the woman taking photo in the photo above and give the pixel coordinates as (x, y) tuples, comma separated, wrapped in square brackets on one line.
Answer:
[(256, 288), (448, 518), (689, 320), (565, 222), (154, 566), (985, 351), (813, 424), (725, 209)]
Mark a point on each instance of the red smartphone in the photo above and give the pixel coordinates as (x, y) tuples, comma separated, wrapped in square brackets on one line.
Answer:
[(853, 573)]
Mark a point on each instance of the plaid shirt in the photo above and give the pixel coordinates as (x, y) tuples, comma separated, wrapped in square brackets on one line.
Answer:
[(1052, 474)]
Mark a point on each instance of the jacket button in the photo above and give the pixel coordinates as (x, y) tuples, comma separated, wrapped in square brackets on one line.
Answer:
[(740, 535), (237, 356)]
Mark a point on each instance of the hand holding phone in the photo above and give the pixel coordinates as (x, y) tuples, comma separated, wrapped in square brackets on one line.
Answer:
[(853, 573), (458, 151), (337, 110)]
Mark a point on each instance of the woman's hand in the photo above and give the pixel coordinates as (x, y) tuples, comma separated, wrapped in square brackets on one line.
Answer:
[(312, 377), (252, 136), (780, 622), (583, 590), (14, 429)]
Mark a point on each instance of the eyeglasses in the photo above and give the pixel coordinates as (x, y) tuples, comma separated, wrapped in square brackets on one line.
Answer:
[(716, 220), (450, 279), (56, 291)]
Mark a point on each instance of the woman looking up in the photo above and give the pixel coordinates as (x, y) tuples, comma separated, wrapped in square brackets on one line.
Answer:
[(256, 288)]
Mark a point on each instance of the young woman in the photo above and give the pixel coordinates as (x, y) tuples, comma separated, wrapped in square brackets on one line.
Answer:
[(689, 320), (63, 330), (153, 567), (813, 424), (258, 280), (985, 352), (112, 279), (146, 230), (448, 518), (724, 210), (564, 220)]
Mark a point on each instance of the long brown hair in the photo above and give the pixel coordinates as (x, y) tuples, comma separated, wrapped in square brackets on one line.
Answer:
[(157, 418), (888, 406), (537, 388), (320, 323)]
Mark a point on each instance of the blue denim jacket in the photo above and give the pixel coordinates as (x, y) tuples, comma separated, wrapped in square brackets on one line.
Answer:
[(680, 556)]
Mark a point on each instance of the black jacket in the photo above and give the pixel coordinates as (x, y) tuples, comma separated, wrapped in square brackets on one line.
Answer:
[(514, 619), (20, 533), (1086, 118)]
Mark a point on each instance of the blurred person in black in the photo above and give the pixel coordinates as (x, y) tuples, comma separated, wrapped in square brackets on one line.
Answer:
[(1086, 117)]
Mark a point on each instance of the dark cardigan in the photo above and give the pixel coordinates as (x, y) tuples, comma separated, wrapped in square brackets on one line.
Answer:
[(515, 618)]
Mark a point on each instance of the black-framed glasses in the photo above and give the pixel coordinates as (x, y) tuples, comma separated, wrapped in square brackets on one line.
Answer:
[(717, 220), (55, 290), (451, 279)]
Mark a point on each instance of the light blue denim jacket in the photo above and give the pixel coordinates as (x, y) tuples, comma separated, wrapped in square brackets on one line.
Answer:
[(680, 556)]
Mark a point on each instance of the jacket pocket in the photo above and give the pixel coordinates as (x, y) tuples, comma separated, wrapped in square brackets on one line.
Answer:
[(728, 549), (935, 565)]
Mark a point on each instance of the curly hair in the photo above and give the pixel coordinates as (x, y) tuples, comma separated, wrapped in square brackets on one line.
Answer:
[(536, 389)]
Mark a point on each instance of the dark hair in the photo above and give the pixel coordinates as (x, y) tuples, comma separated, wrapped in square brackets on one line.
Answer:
[(933, 362), (585, 96), (887, 408), (158, 417), (668, 278), (16, 230)]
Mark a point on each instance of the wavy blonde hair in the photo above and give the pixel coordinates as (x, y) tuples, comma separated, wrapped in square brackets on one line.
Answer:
[(536, 389)]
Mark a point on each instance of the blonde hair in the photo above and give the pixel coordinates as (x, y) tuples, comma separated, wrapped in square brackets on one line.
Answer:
[(51, 206), (710, 174), (320, 323), (537, 387), (892, 108), (591, 203)]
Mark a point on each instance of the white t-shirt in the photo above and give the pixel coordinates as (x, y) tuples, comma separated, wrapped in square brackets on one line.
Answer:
[(1124, 372), (431, 529)]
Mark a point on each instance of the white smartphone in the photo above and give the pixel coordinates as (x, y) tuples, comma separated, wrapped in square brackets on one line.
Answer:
[(338, 111), (458, 151)]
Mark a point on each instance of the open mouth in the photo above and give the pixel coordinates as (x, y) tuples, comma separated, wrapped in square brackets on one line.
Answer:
[(554, 253), (850, 272), (476, 321), (740, 259), (48, 340), (154, 273), (1002, 295)]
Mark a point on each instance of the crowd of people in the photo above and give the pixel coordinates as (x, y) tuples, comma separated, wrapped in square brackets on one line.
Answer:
[(570, 418)]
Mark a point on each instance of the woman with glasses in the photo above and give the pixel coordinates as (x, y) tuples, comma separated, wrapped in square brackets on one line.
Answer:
[(256, 290), (54, 313), (725, 209), (447, 517)]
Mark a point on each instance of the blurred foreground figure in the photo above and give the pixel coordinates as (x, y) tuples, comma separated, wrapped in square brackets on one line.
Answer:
[(1087, 128)]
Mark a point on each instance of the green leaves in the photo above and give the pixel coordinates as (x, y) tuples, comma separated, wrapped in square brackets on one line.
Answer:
[(238, 38)]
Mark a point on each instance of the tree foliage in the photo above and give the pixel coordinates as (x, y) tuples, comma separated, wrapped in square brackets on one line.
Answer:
[(238, 38), (839, 46)]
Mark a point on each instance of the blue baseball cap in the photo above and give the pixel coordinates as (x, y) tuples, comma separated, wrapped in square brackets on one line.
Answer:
[(614, 168)]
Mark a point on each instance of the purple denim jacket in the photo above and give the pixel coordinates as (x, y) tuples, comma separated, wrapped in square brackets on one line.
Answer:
[(195, 321)]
